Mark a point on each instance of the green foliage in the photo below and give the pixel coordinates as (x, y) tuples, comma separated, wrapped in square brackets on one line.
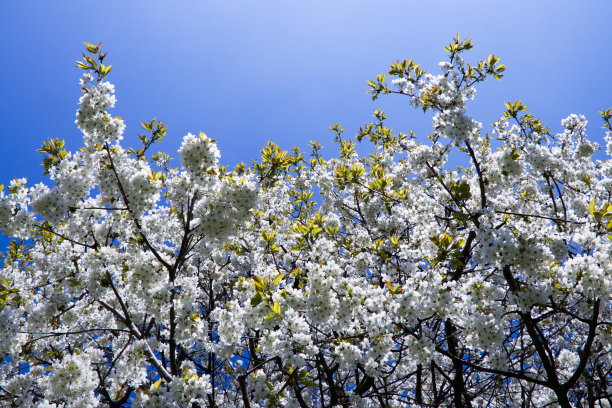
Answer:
[(606, 116), (158, 131), (276, 162), (93, 62), (605, 211), (54, 153)]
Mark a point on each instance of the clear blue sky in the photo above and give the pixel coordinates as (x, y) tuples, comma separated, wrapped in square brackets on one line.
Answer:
[(246, 72)]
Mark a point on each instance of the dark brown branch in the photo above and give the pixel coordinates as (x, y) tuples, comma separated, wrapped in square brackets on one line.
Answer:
[(503, 373), (458, 383), (586, 351), (538, 216), (161, 370), (541, 346), (98, 208), (243, 391), (465, 255), (90, 246)]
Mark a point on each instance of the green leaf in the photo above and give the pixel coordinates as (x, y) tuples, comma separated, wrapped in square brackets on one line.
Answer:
[(256, 299), (457, 263), (276, 308), (445, 240), (91, 48), (460, 216), (462, 190), (278, 278), (308, 382), (258, 284)]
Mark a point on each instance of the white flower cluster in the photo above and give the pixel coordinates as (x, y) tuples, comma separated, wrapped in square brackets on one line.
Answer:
[(509, 162), (143, 192), (228, 205), (97, 125), (576, 124), (455, 125), (51, 204), (404, 85), (182, 392), (73, 185), (15, 219), (73, 380), (608, 140), (449, 92), (198, 154)]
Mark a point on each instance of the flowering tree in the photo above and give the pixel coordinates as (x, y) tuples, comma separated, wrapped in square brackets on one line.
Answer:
[(410, 284)]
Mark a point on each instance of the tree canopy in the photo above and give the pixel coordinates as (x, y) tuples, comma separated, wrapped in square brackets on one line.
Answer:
[(387, 279)]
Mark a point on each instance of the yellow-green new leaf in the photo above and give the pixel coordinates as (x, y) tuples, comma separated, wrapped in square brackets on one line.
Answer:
[(278, 278), (276, 308)]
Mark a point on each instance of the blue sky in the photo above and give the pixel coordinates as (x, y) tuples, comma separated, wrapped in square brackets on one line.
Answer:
[(246, 72)]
